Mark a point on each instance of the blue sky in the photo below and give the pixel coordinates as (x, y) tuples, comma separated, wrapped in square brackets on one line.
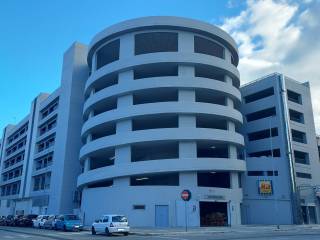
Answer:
[(35, 34), (272, 35)]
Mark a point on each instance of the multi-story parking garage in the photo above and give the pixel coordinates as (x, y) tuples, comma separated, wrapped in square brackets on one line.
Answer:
[(153, 107), (162, 115)]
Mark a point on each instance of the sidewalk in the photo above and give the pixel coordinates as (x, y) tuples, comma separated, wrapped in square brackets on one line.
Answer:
[(235, 229), (149, 231)]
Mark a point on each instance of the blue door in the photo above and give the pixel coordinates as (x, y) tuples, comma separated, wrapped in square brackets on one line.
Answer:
[(162, 216)]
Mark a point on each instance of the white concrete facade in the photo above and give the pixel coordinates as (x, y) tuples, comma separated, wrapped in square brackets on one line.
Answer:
[(294, 157), (184, 111), (44, 172)]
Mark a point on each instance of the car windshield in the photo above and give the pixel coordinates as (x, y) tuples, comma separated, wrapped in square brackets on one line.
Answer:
[(119, 219), (71, 217), (45, 217)]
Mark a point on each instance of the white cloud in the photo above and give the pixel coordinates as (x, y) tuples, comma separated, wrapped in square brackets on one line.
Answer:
[(282, 36)]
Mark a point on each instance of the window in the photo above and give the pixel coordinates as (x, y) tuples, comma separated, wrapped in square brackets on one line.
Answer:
[(48, 126), (16, 146), (139, 207), (105, 106), (272, 173), (108, 53), (262, 173), (301, 157), (50, 108), (233, 62), (303, 175), (100, 162), (259, 95), (239, 180), (261, 114), (267, 153), (154, 151), (210, 72), (155, 70), (41, 182), (298, 136), (166, 179), (214, 179), (159, 95), (104, 130), (263, 134), (44, 161), (207, 96), (294, 97), (153, 122), (104, 82), (206, 150), (22, 130), (46, 143), (210, 121), (106, 183), (255, 173), (296, 116), (209, 47), (156, 42)]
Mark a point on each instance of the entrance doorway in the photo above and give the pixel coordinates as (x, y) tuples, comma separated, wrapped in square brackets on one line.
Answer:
[(213, 214), (162, 216), (309, 214)]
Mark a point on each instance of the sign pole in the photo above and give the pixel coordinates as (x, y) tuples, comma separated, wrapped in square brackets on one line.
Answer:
[(186, 196), (185, 213)]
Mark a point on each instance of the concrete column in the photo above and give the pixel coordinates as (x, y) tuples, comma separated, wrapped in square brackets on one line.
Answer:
[(186, 95), (92, 92), (94, 63), (91, 114), (235, 213), (187, 121), (228, 79), (186, 42), (121, 182), (188, 180), (123, 154), (87, 165), (124, 126), (227, 55), (124, 101), (125, 77), (234, 180), (188, 150), (126, 46), (232, 151), (186, 71), (89, 138)]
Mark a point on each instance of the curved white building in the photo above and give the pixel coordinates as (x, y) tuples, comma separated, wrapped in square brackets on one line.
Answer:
[(162, 115)]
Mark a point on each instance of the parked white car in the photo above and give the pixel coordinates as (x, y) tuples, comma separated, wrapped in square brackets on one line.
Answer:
[(111, 223), (40, 220)]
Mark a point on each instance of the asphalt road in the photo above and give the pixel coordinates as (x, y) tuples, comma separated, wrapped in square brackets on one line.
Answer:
[(39, 234)]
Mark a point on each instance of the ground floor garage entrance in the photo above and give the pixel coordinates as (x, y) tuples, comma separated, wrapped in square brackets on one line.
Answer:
[(213, 214)]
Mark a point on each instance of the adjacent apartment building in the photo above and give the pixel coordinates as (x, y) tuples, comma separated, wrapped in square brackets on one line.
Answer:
[(281, 151), (153, 106), (40, 154)]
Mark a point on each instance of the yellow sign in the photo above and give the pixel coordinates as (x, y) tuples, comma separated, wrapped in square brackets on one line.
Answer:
[(265, 187)]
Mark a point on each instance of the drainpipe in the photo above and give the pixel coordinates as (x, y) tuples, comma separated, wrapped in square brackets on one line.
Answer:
[(283, 105)]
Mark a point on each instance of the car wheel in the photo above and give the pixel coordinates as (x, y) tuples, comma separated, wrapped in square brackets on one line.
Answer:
[(55, 227), (107, 231), (126, 233), (64, 228), (39, 226), (93, 231)]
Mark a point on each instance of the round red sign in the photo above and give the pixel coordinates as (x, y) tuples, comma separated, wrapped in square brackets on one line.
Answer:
[(186, 195)]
